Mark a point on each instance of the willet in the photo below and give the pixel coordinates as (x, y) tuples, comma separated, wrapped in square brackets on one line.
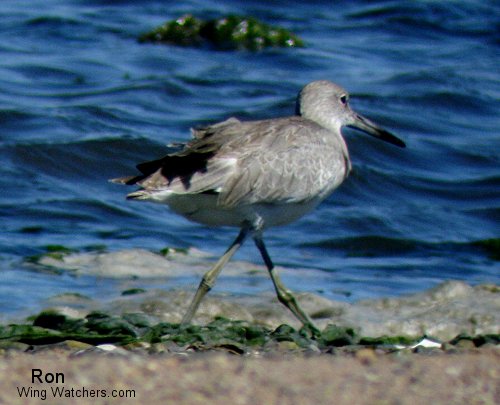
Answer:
[(258, 174)]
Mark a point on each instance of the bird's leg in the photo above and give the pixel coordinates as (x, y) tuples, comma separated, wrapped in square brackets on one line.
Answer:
[(285, 296), (208, 280)]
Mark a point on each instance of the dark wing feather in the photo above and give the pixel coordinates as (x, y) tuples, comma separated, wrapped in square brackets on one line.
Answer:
[(182, 164)]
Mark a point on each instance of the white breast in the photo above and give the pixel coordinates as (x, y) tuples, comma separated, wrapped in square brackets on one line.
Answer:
[(203, 208)]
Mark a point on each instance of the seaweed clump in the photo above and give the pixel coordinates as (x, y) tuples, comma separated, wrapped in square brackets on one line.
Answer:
[(227, 33), (135, 331)]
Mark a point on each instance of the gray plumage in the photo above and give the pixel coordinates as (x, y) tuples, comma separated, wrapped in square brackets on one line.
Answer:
[(257, 174)]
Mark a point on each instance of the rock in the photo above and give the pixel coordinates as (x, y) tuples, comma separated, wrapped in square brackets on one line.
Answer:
[(231, 32), (445, 311)]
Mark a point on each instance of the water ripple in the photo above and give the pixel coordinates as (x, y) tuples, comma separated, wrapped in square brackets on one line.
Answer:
[(81, 101)]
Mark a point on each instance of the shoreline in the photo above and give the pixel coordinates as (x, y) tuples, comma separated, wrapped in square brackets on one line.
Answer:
[(375, 354)]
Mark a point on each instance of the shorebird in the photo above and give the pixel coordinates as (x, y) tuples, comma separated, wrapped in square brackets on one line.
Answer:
[(257, 174)]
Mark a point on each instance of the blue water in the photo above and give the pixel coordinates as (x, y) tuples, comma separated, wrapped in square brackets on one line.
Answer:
[(82, 101)]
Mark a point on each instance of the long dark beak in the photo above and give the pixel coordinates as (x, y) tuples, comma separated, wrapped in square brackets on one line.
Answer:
[(365, 125)]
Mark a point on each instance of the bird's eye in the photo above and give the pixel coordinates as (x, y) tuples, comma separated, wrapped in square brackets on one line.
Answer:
[(343, 99)]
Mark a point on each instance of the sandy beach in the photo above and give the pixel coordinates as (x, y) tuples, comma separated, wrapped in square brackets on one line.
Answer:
[(465, 377)]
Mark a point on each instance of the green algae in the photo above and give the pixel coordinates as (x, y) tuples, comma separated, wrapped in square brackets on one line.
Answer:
[(35, 335), (169, 251), (227, 33), (219, 331), (337, 336), (54, 320), (103, 324), (478, 340), (386, 341), (297, 339), (237, 337), (53, 327), (133, 291), (184, 31), (56, 252)]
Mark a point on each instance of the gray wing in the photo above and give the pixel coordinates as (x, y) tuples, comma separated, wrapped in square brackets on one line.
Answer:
[(269, 161), (195, 168), (226, 126), (294, 161)]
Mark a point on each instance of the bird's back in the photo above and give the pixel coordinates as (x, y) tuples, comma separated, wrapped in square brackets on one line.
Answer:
[(276, 161)]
